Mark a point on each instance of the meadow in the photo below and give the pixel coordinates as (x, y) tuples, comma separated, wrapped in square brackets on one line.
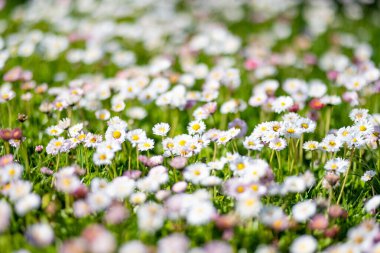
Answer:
[(169, 126)]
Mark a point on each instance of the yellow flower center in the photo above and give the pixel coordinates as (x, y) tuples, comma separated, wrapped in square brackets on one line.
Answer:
[(196, 127), (240, 166), (116, 134)]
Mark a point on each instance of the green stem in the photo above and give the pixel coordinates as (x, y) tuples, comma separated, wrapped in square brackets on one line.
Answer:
[(346, 176)]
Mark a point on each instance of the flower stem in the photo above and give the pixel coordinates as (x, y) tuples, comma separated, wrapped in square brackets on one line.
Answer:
[(345, 176)]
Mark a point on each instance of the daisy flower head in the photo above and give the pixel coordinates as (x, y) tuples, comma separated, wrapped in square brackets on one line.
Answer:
[(196, 127), (118, 106), (304, 210), (344, 133), (278, 144), (116, 121), (102, 114), (111, 145), (364, 127), (115, 133), (146, 144), (306, 125), (311, 145), (358, 114), (103, 156), (10, 172), (240, 164), (64, 123), (223, 138), (55, 146), (304, 244), (92, 140), (200, 113), (136, 113), (239, 124), (337, 165), (136, 136), (291, 117), (258, 99), (234, 132), (291, 130), (75, 130), (6, 93), (200, 213), (331, 143), (356, 83), (67, 183), (356, 140), (161, 129), (248, 206), (196, 172), (252, 143), (331, 100), (282, 103), (54, 131), (168, 145), (368, 175)]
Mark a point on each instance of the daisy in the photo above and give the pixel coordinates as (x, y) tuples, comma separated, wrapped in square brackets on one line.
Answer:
[(168, 145), (103, 157), (311, 145), (240, 164), (368, 175), (29, 202), (138, 198), (120, 188), (304, 210), (196, 172), (55, 146), (331, 143), (136, 113), (92, 140), (136, 136), (6, 93), (146, 144), (356, 140), (64, 123), (11, 172), (200, 213), (252, 143), (282, 104), (116, 121), (223, 138), (112, 146), (344, 134), (102, 114), (358, 114), (98, 201), (364, 127), (248, 207), (258, 99), (54, 131), (75, 130), (115, 133), (150, 217), (304, 244), (337, 165), (67, 183), (196, 127), (161, 129), (291, 130), (118, 106), (278, 144), (306, 125)]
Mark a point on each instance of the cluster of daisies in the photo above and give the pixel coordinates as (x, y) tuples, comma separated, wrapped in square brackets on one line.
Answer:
[(173, 127)]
